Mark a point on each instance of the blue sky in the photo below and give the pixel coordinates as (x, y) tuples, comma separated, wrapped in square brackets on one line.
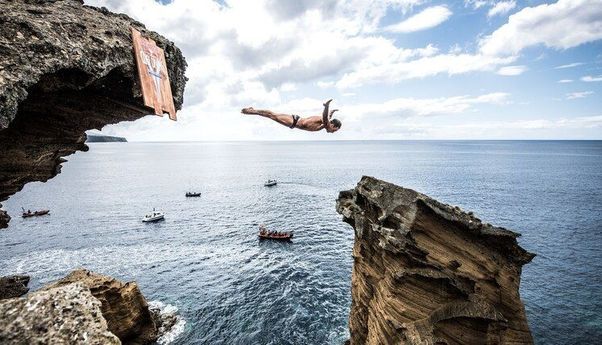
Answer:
[(397, 69)]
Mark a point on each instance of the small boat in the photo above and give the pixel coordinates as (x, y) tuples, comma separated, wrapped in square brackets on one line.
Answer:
[(153, 217), (193, 194), (28, 213), (274, 235), (270, 183)]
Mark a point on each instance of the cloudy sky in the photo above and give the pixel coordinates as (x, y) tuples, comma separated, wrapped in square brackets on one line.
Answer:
[(397, 69)]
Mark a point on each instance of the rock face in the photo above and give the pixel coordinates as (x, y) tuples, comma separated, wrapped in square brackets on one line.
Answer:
[(123, 306), (13, 286), (428, 273), (63, 315), (65, 68)]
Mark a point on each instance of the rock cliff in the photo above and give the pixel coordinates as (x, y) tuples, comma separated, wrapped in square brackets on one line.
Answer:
[(13, 286), (83, 307), (65, 68), (65, 315), (122, 305), (429, 273)]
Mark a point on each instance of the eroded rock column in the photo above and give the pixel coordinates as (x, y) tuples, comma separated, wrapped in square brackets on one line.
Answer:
[(429, 273)]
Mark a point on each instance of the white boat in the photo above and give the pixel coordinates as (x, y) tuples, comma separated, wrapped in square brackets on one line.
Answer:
[(153, 217), (270, 183)]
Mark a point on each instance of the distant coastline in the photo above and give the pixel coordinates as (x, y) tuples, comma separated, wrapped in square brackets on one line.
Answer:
[(105, 139)]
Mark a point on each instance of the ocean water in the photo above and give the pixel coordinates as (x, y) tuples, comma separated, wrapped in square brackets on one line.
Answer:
[(230, 288)]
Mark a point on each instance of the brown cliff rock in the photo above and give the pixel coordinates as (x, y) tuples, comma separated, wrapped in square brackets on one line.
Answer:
[(13, 286), (65, 68), (428, 273), (123, 306), (64, 315)]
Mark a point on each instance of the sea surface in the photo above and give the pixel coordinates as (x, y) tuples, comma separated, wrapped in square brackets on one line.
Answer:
[(230, 288)]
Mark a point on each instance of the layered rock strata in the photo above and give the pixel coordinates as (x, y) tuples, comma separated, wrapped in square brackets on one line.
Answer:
[(64, 315), (65, 68), (122, 305), (429, 273)]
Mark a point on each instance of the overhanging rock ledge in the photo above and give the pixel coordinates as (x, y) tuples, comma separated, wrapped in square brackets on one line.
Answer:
[(65, 68)]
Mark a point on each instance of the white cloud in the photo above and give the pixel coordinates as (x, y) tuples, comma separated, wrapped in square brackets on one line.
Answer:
[(562, 25), (512, 70), (564, 81), (325, 84), (420, 127), (426, 106), (501, 8), (589, 78), (426, 19), (476, 4), (394, 71), (576, 95), (570, 65), (273, 54)]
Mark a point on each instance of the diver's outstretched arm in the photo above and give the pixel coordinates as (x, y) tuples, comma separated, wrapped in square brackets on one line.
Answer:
[(332, 112), (325, 118)]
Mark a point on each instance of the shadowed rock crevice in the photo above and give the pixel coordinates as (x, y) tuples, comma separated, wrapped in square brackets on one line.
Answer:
[(428, 273), (65, 68)]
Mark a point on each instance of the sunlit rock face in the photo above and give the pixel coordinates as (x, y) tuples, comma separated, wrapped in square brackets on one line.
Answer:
[(64, 315), (429, 273), (65, 68), (123, 306)]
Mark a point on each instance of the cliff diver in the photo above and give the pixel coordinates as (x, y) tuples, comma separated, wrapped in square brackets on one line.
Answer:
[(311, 123)]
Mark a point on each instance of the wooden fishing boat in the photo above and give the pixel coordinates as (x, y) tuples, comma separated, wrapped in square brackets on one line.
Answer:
[(287, 236), (273, 235), (28, 213)]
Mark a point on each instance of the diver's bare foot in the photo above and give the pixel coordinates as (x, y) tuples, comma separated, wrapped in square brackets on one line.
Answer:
[(327, 102), (248, 111), (332, 111)]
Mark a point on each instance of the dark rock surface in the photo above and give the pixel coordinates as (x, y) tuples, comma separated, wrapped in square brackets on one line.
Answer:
[(429, 273), (64, 315), (123, 306), (65, 68), (13, 286), (164, 321), (4, 218)]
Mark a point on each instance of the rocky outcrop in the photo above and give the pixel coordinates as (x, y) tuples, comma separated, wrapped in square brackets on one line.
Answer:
[(64, 315), (65, 68), (123, 306), (4, 218), (13, 286), (91, 138), (429, 273)]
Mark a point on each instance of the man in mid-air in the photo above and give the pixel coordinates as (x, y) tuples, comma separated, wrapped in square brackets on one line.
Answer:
[(312, 123)]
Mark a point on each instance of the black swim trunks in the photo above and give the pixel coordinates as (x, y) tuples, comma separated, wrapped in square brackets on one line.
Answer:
[(295, 120)]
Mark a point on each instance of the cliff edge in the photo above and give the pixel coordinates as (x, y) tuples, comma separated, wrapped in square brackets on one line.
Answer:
[(428, 273), (65, 68)]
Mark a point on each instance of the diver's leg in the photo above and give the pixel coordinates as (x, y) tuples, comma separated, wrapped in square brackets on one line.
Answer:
[(283, 119)]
